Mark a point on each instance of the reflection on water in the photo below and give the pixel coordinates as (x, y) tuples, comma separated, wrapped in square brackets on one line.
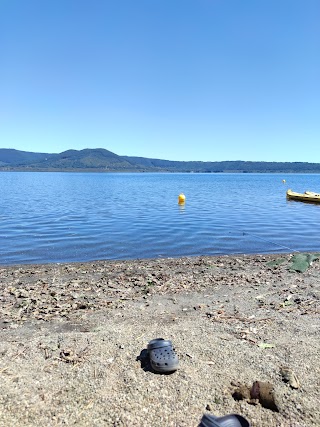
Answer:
[(182, 207), (64, 217)]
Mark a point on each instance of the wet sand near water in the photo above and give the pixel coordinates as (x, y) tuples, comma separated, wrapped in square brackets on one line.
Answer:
[(73, 340)]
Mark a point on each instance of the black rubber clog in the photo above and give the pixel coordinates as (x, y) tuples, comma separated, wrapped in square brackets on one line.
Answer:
[(232, 420), (163, 357)]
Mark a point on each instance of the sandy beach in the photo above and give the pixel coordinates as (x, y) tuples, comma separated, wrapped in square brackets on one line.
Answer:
[(74, 337)]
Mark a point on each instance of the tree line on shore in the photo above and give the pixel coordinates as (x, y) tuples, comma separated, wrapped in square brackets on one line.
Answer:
[(101, 160)]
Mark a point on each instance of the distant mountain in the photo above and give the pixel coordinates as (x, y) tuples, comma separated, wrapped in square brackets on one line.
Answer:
[(91, 159), (9, 156), (70, 160), (101, 160)]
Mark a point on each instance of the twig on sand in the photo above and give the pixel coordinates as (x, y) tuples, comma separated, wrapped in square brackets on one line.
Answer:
[(237, 318)]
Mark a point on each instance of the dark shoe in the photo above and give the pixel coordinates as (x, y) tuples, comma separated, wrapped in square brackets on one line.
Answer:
[(232, 420), (162, 356)]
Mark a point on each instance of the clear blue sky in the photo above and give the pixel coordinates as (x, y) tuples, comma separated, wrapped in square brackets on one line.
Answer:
[(203, 80)]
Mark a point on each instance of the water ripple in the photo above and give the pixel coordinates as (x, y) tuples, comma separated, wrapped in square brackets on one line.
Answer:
[(60, 217)]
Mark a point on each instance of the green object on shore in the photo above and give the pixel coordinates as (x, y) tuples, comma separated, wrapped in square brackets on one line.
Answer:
[(265, 345), (301, 262), (276, 262)]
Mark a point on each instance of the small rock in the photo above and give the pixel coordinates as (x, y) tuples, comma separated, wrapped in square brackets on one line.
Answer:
[(289, 377)]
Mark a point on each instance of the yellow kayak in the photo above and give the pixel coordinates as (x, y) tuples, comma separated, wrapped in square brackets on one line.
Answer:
[(311, 193), (308, 196)]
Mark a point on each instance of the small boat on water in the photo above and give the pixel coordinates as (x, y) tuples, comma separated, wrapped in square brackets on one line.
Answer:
[(307, 196), (311, 193)]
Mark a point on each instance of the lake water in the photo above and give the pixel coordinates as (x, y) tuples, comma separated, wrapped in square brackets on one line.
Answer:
[(65, 217)]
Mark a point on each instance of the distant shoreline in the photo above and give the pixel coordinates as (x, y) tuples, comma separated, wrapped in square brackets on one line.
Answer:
[(101, 160), (161, 171)]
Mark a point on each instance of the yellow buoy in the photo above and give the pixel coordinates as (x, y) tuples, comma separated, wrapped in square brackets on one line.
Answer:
[(284, 181), (181, 199)]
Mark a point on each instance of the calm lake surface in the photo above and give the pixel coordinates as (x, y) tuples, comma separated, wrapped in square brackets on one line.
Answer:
[(65, 217)]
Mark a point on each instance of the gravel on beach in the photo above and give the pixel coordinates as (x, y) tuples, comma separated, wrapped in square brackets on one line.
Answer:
[(246, 329)]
